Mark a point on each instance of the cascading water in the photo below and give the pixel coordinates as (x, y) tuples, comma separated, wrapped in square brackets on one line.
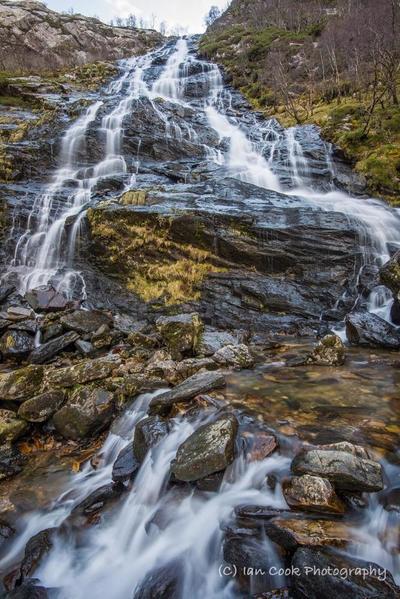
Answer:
[(113, 559)]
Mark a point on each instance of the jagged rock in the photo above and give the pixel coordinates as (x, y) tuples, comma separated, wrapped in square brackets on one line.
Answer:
[(364, 328), (389, 275), (148, 433), (86, 321), (138, 339), (237, 356), (211, 341), (126, 465), (16, 345), (21, 384), (312, 493), (97, 500), (4, 324), (36, 549), (181, 333), (11, 427), (340, 466), (202, 382), (330, 351), (363, 580), (46, 299), (41, 407), (88, 411), (83, 372), (49, 350), (105, 337), (210, 449), (291, 533)]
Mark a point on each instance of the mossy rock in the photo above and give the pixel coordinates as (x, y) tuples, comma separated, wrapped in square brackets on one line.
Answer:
[(21, 384)]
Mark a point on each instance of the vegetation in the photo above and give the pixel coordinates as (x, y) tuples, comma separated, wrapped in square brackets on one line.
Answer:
[(334, 63)]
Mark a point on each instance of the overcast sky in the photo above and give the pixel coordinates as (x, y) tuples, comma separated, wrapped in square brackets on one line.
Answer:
[(186, 13)]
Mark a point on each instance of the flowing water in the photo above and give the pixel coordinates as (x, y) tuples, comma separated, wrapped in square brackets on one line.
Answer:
[(112, 559)]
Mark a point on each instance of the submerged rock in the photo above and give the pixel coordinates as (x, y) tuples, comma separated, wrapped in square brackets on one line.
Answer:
[(49, 350), (211, 448), (16, 345), (46, 299), (148, 433), (126, 465), (324, 573), (42, 407), (88, 411), (21, 384), (11, 427), (237, 356), (364, 328), (181, 333), (313, 494)]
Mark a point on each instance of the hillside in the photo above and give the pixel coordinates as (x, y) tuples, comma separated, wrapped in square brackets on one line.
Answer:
[(334, 63), (34, 38)]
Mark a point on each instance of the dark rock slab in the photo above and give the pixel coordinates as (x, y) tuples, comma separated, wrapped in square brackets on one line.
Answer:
[(389, 274), (126, 465), (46, 299), (49, 350), (364, 328), (148, 433), (86, 321)]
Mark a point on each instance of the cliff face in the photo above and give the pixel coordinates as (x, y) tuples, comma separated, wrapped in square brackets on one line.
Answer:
[(34, 38)]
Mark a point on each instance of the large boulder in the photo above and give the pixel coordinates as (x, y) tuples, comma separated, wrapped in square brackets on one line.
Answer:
[(86, 321), (49, 350), (148, 433), (46, 299), (42, 407), (342, 465), (364, 328), (83, 372), (16, 345), (211, 448), (312, 494), (181, 333), (325, 573), (201, 382), (389, 275), (21, 384), (88, 411), (11, 427)]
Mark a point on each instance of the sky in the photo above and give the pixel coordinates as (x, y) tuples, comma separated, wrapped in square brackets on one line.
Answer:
[(186, 13)]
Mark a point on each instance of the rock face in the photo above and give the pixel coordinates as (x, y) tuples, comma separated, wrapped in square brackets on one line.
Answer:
[(210, 449), (181, 333), (82, 372), (34, 38), (312, 493), (364, 328)]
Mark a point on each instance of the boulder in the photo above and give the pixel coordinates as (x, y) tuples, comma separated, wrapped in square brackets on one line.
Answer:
[(16, 345), (86, 321), (364, 328), (211, 448), (259, 445), (312, 494), (211, 341), (291, 533), (97, 500), (148, 433), (202, 382), (6, 531), (341, 467), (389, 275), (161, 583), (35, 550), (19, 313), (42, 407), (88, 411), (181, 333), (325, 573), (330, 351), (236, 356), (49, 350), (83, 372), (55, 329), (126, 465), (11, 427), (27, 590), (21, 384), (46, 299)]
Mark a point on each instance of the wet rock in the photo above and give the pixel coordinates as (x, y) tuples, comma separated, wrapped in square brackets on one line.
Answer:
[(210, 483), (211, 341), (313, 494), (46, 299), (391, 501), (126, 465), (11, 461), (6, 531), (248, 554), (389, 275), (19, 313), (28, 590), (190, 366), (16, 345), (41, 407), (162, 583), (148, 433), (236, 356), (362, 580), (5, 292), (4, 324), (368, 279), (83, 372), (49, 350), (86, 321), (259, 445), (364, 328), (211, 448), (181, 333), (395, 312), (105, 337), (291, 533), (88, 411), (341, 467), (30, 326), (36, 549), (330, 351), (21, 384), (11, 427), (202, 382), (97, 500), (137, 339)]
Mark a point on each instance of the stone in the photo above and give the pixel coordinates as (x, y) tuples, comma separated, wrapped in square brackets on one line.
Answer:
[(46, 299), (47, 351), (201, 382), (237, 356), (83, 372), (85, 347), (97, 500), (11, 461), (35, 550), (19, 312), (161, 583), (367, 329), (148, 433), (389, 275), (27, 590), (86, 321), (5, 292), (6, 532), (291, 533), (16, 345), (363, 580), (211, 341), (88, 411), (342, 468), (30, 326), (190, 366), (11, 427), (126, 465), (210, 449), (42, 407), (181, 333), (54, 329), (259, 445), (312, 494), (21, 384), (330, 351)]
